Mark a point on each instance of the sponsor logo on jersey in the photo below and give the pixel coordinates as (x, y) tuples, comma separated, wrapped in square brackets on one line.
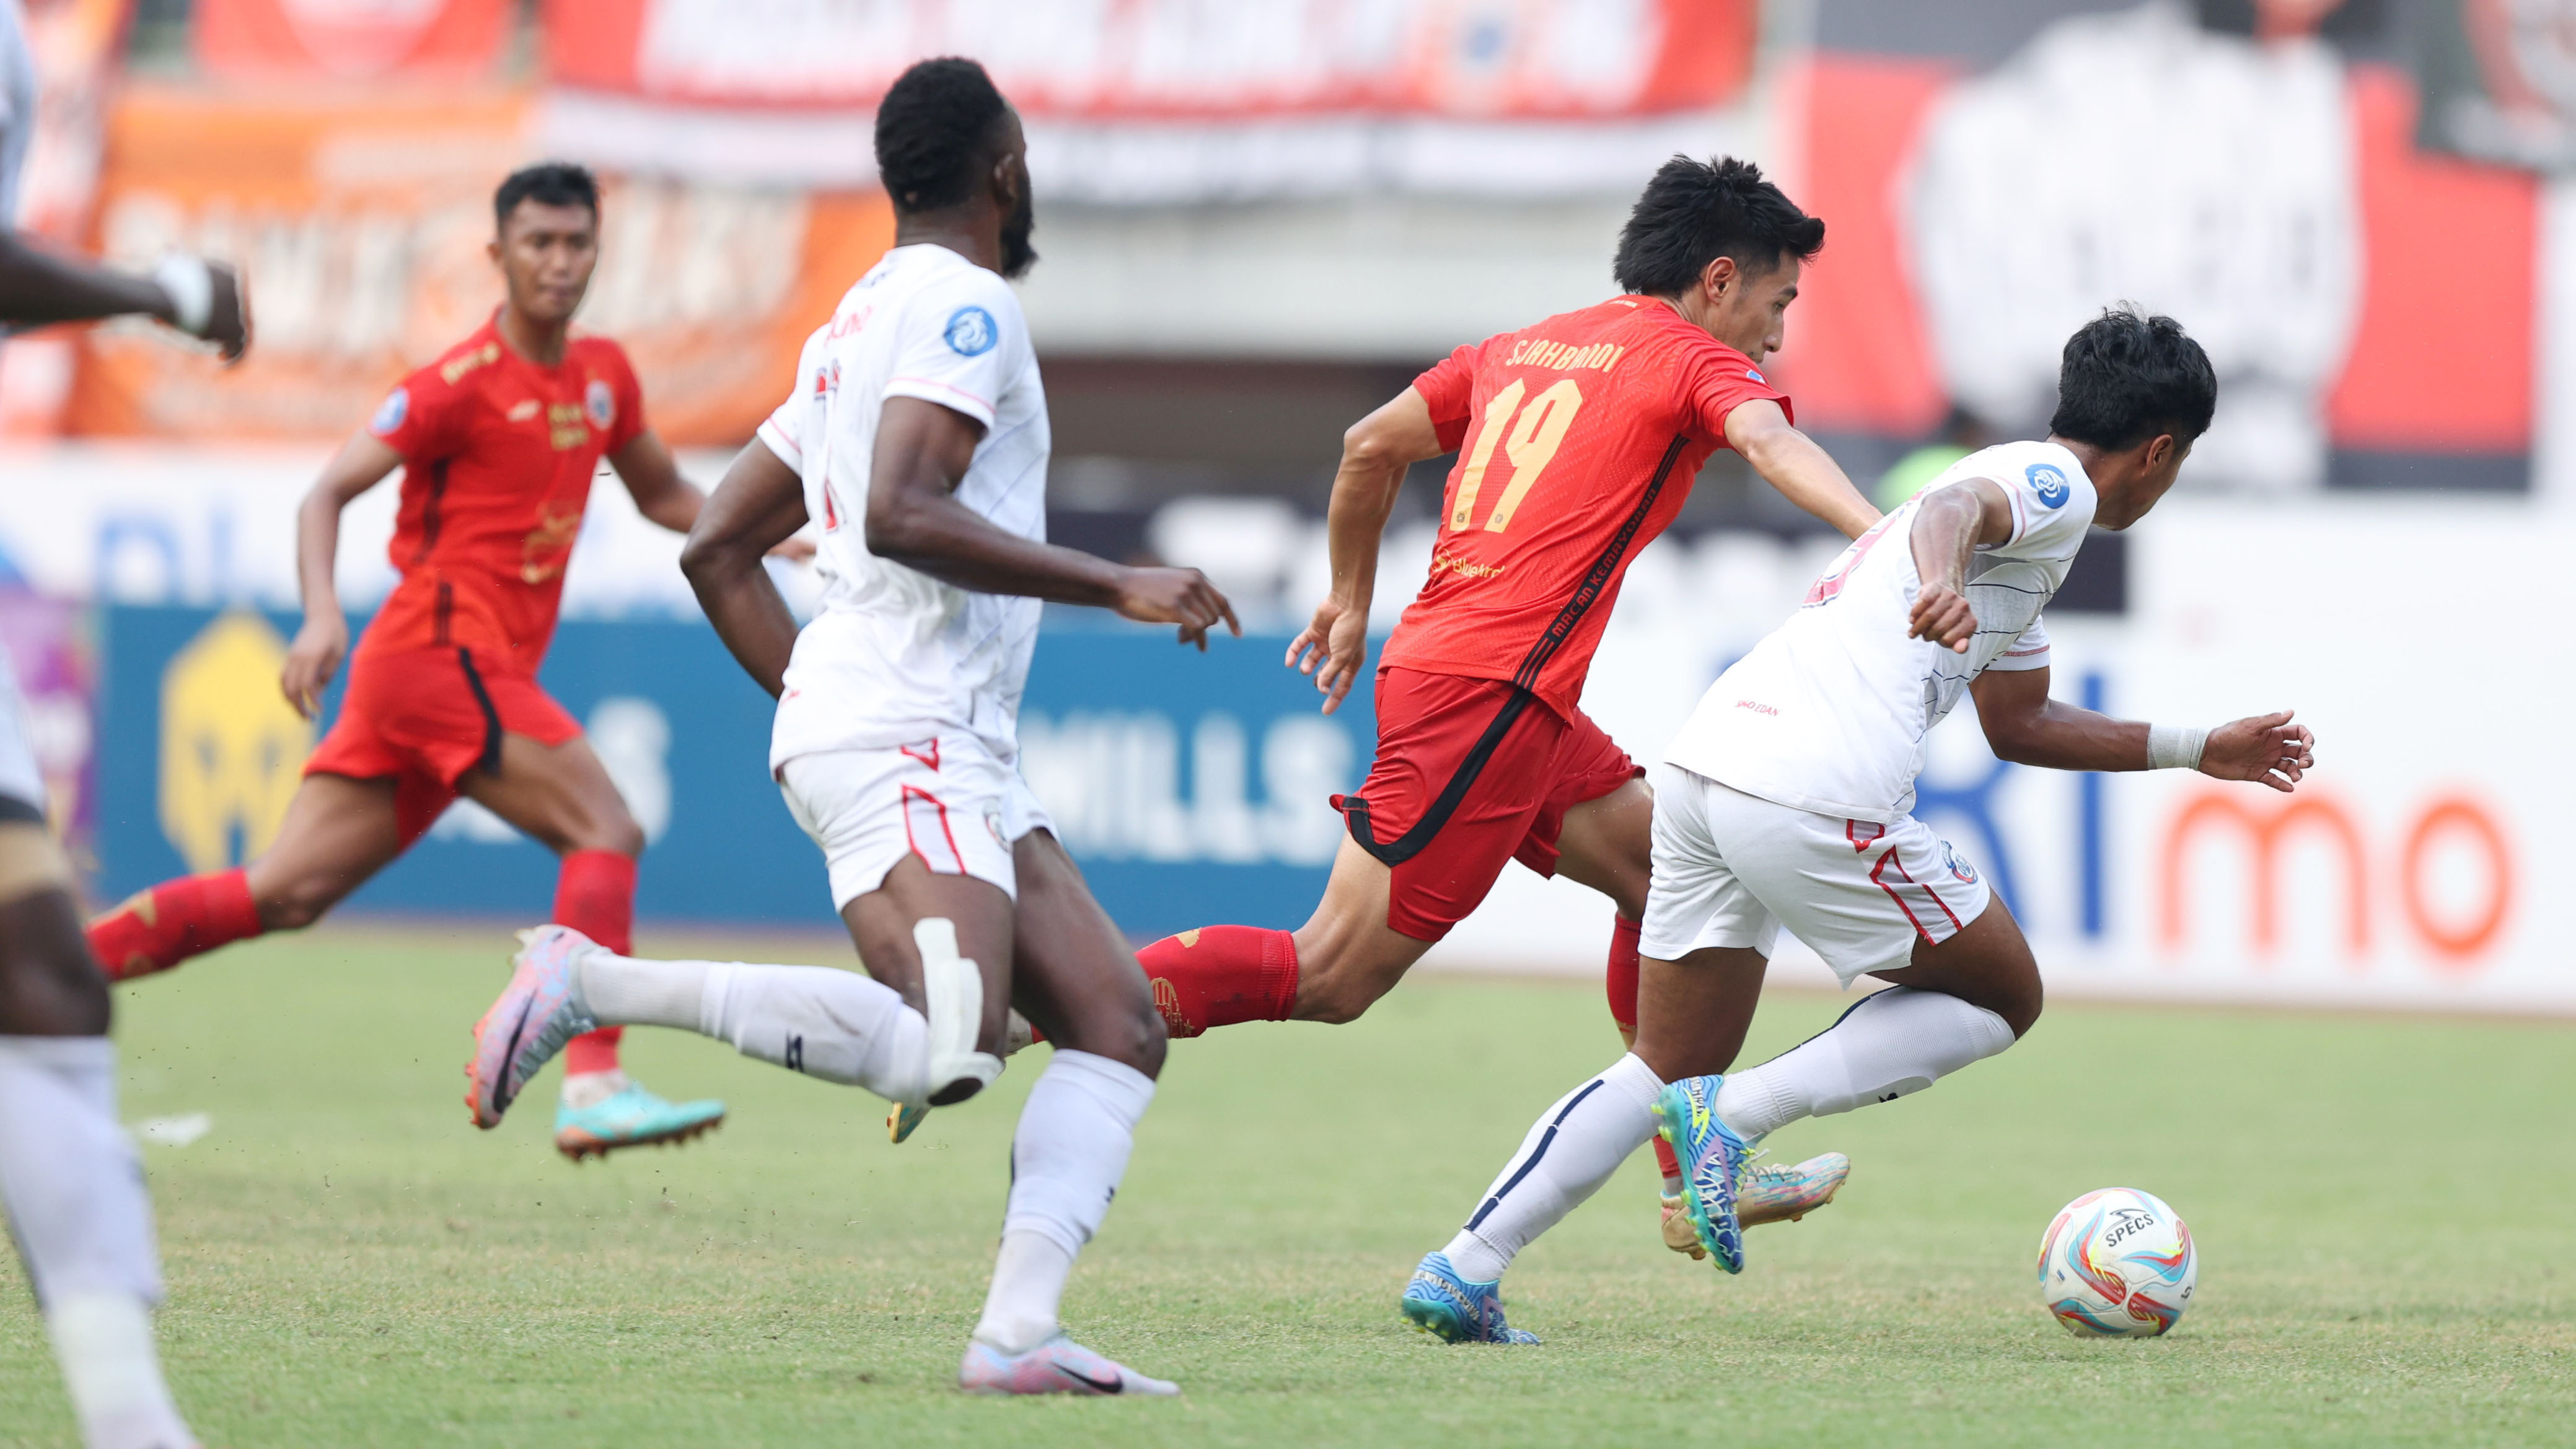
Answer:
[(522, 410), (391, 412), (2049, 484), (570, 425), (456, 367), (1958, 863), (971, 332), (1755, 705), (600, 401)]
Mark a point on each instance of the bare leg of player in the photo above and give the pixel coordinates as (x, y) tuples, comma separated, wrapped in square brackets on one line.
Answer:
[(338, 832), (68, 1176)]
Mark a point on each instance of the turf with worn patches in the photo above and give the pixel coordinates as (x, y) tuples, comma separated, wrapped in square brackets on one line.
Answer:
[(2382, 1207)]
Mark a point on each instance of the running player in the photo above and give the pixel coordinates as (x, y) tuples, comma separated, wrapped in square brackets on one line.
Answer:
[(1582, 435), (69, 1177), (1784, 801), (918, 437), (498, 441)]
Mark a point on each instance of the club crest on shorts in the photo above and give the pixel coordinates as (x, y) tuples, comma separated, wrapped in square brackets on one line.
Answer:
[(971, 332), (1958, 863), (2048, 483), (600, 403), (993, 823)]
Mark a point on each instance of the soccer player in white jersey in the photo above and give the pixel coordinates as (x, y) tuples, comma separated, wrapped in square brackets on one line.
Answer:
[(68, 1176), (1784, 801), (917, 437)]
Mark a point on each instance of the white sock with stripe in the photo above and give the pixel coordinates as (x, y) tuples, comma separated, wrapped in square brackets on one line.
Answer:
[(1889, 1044), (825, 1022), (1570, 1151)]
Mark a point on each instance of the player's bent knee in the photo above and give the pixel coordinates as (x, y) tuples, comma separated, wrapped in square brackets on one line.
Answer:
[(1135, 1038)]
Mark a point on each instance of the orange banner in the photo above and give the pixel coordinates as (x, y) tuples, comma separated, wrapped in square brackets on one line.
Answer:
[(350, 39), (362, 231)]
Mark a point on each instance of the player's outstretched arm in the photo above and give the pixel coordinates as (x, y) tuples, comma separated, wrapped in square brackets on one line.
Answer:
[(2027, 727), (1948, 525), (760, 503), (201, 298), (1790, 461), (913, 517), (1376, 453), (323, 641)]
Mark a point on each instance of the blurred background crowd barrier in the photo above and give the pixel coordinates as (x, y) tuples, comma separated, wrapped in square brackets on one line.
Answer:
[(1258, 218)]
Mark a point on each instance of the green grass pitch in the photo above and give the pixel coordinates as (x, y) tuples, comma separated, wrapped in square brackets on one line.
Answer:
[(2386, 1212)]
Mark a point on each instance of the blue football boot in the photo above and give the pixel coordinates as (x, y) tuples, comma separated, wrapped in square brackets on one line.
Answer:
[(1453, 1310), (1712, 1160)]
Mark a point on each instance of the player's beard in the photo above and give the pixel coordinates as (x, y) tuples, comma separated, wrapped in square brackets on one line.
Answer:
[(1017, 255)]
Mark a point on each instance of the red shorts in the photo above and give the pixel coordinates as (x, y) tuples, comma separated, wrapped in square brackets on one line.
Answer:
[(425, 717), (1470, 773)]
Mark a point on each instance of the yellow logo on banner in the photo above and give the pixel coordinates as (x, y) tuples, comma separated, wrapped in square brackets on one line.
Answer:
[(232, 748)]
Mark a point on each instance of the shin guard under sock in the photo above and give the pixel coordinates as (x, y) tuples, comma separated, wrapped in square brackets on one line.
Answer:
[(1220, 975), (159, 928), (1890, 1044), (595, 895)]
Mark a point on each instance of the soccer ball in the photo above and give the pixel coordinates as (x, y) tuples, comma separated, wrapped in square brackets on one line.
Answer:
[(2117, 1263)]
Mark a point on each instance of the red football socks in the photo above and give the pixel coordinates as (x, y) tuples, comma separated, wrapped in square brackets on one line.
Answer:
[(595, 895), (159, 928), (1622, 983), (1219, 975)]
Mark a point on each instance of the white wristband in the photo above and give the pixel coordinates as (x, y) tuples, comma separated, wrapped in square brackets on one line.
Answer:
[(191, 286), (2175, 747)]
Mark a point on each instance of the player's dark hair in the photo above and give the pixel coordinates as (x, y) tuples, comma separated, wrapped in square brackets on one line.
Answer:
[(935, 133), (547, 183), (2126, 377), (1694, 212)]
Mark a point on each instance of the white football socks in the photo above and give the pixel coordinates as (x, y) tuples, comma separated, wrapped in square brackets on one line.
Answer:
[(1066, 1161), (1889, 1044), (1570, 1151), (837, 1025), (76, 1202)]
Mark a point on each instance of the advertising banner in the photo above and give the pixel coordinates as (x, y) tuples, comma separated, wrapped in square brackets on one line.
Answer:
[(1987, 186), (350, 39), (2410, 870), (1191, 787), (1154, 101), (364, 227), (2499, 80)]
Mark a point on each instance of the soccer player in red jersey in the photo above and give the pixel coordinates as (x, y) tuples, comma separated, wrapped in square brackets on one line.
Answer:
[(1581, 436), (498, 441)]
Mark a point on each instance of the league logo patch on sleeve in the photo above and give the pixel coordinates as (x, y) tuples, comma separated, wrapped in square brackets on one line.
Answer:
[(971, 332), (1756, 375), (600, 402), (2049, 484), (391, 412)]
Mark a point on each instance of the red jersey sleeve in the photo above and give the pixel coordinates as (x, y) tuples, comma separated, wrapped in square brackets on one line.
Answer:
[(629, 424), (1717, 379), (424, 418), (1447, 387)]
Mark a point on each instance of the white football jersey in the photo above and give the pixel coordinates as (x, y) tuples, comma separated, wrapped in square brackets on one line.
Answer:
[(894, 656), (1829, 713), (18, 95)]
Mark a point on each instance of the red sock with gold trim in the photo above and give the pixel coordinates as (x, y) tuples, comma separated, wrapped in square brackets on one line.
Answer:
[(157, 929), (1219, 975)]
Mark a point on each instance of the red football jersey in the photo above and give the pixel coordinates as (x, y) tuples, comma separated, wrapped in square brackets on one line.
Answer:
[(1581, 438), (498, 455)]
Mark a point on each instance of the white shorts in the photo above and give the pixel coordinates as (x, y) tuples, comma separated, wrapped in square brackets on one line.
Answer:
[(945, 800), (1731, 869)]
